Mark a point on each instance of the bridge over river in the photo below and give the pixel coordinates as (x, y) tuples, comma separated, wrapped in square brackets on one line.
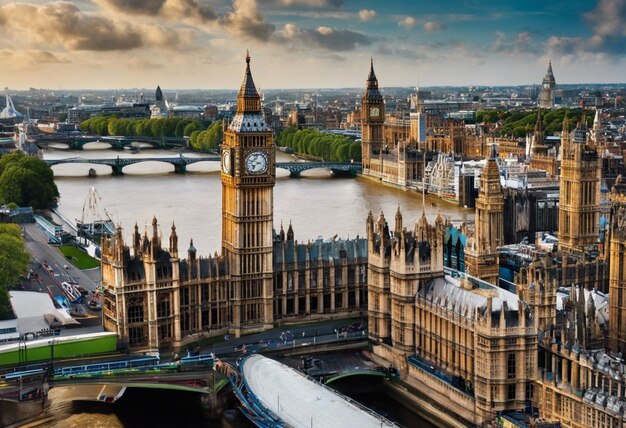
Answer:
[(77, 142), (180, 164), (107, 380)]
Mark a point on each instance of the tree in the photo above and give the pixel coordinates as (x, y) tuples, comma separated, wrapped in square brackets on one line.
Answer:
[(13, 261), (196, 125), (26, 181)]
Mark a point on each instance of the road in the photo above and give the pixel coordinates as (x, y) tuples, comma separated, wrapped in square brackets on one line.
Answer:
[(290, 337), (37, 246), (49, 281)]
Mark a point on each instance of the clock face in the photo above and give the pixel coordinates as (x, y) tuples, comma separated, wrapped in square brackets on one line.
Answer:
[(257, 163), (374, 112), (226, 163)]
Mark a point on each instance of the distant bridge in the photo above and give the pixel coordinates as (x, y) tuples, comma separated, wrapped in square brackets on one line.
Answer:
[(76, 142), (180, 164)]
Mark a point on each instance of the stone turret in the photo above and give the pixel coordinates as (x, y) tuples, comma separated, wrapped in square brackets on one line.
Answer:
[(481, 254), (579, 185), (173, 242), (617, 259), (399, 265)]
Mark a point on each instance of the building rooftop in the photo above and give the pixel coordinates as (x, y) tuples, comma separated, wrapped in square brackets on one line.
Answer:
[(301, 402)]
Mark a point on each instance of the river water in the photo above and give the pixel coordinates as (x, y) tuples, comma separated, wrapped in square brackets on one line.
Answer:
[(316, 205)]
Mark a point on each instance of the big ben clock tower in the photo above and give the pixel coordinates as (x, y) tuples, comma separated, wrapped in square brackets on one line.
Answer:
[(248, 176), (372, 122)]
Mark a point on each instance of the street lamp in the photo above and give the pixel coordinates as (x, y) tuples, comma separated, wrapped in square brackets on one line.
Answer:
[(52, 354)]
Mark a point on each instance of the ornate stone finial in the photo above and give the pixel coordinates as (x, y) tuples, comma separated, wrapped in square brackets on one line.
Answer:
[(290, 233), (381, 218), (173, 227)]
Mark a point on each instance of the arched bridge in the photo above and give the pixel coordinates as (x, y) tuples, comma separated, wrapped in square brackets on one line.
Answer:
[(107, 380), (180, 164), (76, 142), (117, 164), (295, 168)]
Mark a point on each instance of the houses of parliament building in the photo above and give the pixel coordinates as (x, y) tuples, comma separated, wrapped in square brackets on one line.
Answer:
[(553, 342), (156, 300)]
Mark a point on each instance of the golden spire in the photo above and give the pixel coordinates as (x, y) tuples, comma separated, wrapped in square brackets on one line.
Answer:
[(248, 99)]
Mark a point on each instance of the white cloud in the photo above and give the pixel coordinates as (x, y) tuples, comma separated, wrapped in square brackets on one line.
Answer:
[(431, 26), (366, 14), (408, 22)]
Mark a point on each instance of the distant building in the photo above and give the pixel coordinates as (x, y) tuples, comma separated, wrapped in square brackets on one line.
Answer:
[(389, 152), (159, 109), (83, 112), (548, 86)]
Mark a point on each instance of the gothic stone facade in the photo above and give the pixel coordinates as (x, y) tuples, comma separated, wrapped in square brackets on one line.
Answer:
[(430, 325), (155, 300)]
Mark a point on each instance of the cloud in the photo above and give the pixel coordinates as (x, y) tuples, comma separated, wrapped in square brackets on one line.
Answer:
[(408, 22), (306, 3), (607, 21), (431, 26), (608, 18), (25, 58), (63, 24), (402, 52), (139, 7), (366, 14), (327, 38), (173, 10), (522, 43), (246, 21)]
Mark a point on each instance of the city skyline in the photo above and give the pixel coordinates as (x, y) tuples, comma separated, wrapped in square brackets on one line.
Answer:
[(186, 44)]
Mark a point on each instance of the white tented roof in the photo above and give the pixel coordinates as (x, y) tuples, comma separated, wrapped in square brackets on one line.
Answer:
[(301, 402)]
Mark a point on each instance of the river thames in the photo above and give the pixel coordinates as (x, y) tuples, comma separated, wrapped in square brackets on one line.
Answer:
[(317, 205)]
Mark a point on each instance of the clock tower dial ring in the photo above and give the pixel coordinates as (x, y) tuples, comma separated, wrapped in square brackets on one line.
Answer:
[(257, 162), (226, 161)]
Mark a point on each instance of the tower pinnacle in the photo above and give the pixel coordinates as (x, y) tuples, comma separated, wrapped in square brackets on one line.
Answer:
[(248, 99)]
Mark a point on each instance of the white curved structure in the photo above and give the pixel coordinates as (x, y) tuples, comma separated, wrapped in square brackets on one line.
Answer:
[(9, 111), (300, 402)]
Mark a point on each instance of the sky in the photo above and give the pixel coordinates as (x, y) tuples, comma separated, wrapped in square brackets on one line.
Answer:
[(185, 44)]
